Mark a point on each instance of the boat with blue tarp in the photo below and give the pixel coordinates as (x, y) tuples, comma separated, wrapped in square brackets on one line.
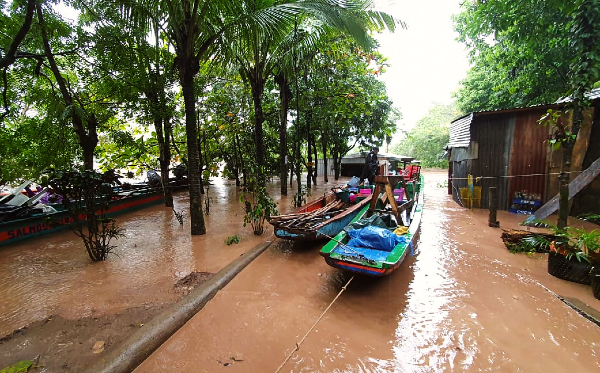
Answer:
[(379, 238)]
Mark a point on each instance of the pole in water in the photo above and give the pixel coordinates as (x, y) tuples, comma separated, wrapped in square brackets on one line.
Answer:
[(492, 222)]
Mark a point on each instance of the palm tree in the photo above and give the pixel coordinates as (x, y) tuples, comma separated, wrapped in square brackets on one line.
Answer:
[(260, 54), (200, 29)]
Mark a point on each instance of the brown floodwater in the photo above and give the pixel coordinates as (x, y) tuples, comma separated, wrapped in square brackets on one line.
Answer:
[(52, 274), (463, 303)]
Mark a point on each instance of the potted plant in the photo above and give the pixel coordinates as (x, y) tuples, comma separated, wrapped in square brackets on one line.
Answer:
[(573, 254), (595, 281)]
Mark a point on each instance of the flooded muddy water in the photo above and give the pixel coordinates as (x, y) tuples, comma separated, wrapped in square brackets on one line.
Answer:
[(463, 303), (53, 274)]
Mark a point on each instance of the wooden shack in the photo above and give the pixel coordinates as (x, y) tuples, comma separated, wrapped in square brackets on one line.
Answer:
[(509, 149)]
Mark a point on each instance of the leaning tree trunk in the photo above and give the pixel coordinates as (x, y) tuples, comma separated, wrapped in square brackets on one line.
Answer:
[(194, 177), (87, 135)]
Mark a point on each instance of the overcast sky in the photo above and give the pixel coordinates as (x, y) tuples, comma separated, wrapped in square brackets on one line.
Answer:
[(427, 63)]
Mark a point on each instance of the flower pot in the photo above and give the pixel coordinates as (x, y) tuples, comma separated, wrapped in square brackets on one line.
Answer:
[(569, 269), (596, 285)]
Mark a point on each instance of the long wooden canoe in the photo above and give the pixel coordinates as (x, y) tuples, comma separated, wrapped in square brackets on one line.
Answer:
[(38, 224), (323, 218)]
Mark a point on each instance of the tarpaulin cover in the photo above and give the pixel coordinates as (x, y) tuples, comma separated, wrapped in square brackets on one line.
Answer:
[(374, 238), (385, 221)]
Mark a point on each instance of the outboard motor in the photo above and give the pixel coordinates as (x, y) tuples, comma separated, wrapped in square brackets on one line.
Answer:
[(154, 179)]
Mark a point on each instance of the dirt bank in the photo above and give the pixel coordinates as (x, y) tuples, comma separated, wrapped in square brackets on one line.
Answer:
[(56, 344)]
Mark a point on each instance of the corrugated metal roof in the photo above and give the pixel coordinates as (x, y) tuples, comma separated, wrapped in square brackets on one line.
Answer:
[(460, 132), (350, 158), (591, 95)]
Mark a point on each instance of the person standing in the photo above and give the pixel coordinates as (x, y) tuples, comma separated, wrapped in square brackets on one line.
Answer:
[(371, 168)]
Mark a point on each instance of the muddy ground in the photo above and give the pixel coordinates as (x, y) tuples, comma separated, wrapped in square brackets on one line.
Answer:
[(56, 344)]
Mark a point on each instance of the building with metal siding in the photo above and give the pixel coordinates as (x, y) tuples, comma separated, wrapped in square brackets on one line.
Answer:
[(508, 149)]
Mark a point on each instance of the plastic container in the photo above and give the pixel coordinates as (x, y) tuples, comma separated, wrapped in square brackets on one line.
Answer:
[(465, 196), (354, 181), (399, 194), (344, 195), (360, 197)]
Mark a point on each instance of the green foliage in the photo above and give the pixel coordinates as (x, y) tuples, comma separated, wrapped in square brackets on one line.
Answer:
[(258, 205), (530, 244), (527, 52), (87, 195), (20, 367), (426, 141), (300, 197), (348, 104), (559, 132), (594, 218), (576, 242), (233, 239)]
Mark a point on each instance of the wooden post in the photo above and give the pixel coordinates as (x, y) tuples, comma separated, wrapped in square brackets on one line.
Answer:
[(493, 208)]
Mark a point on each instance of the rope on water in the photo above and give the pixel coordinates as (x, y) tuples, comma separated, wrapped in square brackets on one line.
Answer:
[(314, 325)]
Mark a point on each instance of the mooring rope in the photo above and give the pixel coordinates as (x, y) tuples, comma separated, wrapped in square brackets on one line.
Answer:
[(477, 178), (314, 325)]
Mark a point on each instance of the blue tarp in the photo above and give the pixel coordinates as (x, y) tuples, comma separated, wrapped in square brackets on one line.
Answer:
[(375, 238)]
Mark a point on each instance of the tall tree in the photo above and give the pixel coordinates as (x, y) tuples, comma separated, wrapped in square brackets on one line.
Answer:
[(199, 28)]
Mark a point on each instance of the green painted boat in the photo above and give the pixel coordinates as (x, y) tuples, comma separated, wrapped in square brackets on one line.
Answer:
[(368, 260)]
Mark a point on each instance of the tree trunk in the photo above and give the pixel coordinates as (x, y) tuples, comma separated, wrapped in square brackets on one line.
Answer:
[(187, 84), (309, 173), (257, 93), (314, 173), (164, 157), (336, 168), (324, 148), (565, 168), (284, 95)]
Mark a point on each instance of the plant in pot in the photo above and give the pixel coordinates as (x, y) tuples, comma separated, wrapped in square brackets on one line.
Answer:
[(595, 281), (573, 254)]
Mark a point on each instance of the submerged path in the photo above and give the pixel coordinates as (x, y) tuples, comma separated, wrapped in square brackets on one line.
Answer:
[(463, 303)]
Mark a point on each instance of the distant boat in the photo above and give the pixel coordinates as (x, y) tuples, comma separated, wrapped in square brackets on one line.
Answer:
[(376, 251), (320, 219), (21, 221)]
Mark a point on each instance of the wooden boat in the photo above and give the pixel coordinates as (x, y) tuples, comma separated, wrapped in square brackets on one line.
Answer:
[(368, 260), (33, 221), (324, 217)]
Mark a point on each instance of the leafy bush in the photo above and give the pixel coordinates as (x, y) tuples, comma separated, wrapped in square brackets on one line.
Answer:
[(86, 195), (258, 205), (233, 239)]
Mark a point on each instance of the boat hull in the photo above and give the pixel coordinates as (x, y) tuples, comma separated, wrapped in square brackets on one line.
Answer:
[(35, 226), (372, 262), (323, 231)]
